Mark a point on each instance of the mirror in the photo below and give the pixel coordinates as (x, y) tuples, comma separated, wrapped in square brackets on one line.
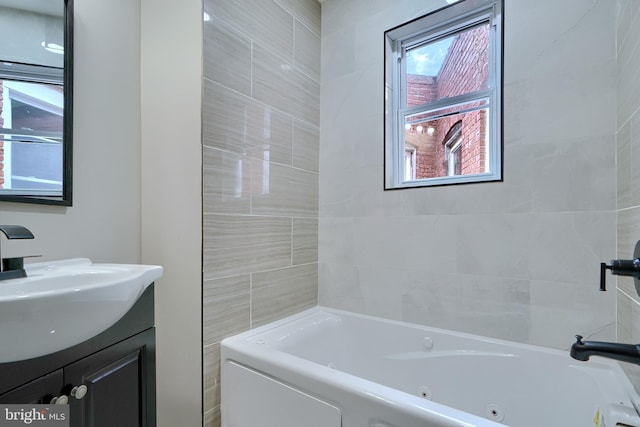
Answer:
[(36, 68)]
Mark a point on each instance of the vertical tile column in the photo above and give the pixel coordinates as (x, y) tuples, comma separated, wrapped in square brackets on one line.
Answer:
[(260, 169)]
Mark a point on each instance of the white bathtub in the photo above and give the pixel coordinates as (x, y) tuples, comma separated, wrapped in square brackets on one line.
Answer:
[(330, 368)]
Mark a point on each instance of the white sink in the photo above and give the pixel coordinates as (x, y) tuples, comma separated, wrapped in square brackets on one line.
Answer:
[(63, 303)]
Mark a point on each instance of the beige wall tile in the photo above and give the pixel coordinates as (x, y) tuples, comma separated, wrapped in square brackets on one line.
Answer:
[(280, 84), (635, 153), (628, 231), (226, 179), (236, 123), (497, 307), (283, 191), (261, 20), (629, 332), (278, 293), (226, 304), (212, 417), (629, 73), (227, 56), (305, 240), (242, 244), (628, 235), (624, 169), (307, 12), (588, 186), (306, 142), (211, 357), (560, 310), (307, 45)]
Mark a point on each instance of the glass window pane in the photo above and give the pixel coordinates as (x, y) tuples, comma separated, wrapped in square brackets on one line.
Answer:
[(447, 67), (456, 144), (31, 128), (32, 107), (35, 166)]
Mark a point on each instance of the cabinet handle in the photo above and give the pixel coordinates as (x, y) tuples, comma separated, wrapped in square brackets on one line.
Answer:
[(79, 391), (60, 400)]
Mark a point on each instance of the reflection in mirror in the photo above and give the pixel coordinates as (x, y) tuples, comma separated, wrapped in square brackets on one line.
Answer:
[(35, 101)]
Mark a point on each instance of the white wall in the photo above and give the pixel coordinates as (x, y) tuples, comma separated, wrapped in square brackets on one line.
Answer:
[(128, 206), (104, 221), (516, 260), (171, 199)]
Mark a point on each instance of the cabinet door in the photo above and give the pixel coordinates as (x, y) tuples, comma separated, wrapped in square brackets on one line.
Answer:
[(120, 385), (40, 390)]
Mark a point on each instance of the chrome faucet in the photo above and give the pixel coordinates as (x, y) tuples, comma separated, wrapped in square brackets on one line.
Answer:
[(13, 268), (582, 350)]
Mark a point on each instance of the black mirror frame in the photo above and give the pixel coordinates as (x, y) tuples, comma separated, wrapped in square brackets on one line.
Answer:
[(67, 150)]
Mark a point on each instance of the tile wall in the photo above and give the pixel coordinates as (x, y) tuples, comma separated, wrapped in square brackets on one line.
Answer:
[(628, 155), (261, 121), (516, 260)]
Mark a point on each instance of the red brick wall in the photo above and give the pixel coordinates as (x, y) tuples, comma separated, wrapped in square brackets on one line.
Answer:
[(465, 69), (421, 89), (466, 66)]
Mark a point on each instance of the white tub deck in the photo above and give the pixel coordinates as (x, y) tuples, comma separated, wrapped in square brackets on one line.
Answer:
[(330, 368)]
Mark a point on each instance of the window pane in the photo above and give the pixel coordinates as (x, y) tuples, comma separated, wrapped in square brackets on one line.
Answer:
[(31, 123), (456, 144), (35, 166), (447, 67), (29, 117), (32, 107)]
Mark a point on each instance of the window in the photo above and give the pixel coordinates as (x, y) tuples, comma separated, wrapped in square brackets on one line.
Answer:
[(443, 97)]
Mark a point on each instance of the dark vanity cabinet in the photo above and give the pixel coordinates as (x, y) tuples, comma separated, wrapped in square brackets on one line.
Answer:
[(40, 390), (108, 380)]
